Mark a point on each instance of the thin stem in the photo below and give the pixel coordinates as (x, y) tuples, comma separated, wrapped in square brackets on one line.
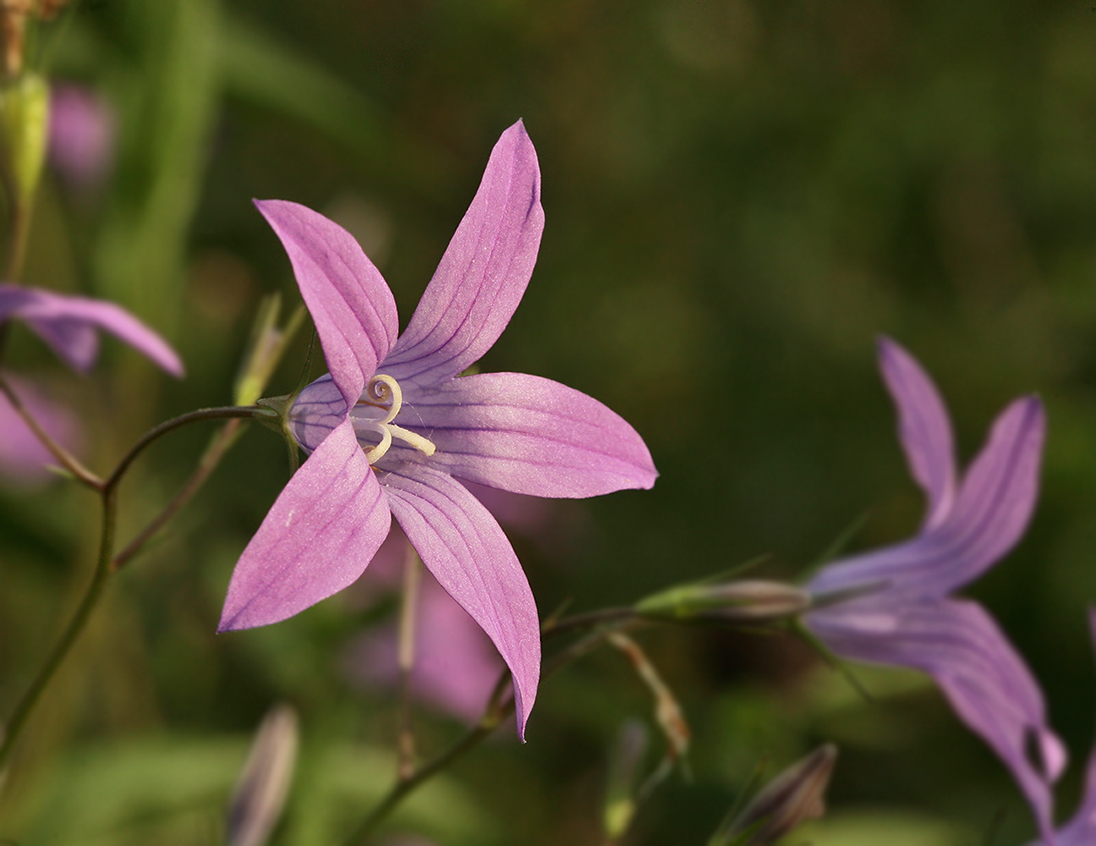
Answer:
[(493, 715), (412, 578), (499, 706), (104, 565), (206, 465), (588, 620), (65, 458), (76, 626), (176, 422)]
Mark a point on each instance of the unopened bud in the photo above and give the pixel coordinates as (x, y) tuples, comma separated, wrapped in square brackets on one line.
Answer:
[(264, 350), (744, 602), (794, 796), (264, 782), (25, 105)]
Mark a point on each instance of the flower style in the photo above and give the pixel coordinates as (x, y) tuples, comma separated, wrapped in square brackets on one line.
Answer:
[(69, 325), (892, 606), (391, 429)]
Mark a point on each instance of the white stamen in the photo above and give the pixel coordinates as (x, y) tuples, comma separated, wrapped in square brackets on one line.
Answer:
[(384, 392)]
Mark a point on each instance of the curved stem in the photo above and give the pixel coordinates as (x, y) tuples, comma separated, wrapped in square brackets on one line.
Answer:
[(106, 564), (206, 465), (69, 636), (174, 423)]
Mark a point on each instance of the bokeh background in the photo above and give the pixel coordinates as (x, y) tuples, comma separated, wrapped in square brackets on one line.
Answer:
[(741, 196)]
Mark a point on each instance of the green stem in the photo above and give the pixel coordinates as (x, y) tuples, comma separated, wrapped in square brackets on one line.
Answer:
[(76, 626), (498, 708), (206, 465), (105, 564), (20, 229), (409, 606), (174, 423)]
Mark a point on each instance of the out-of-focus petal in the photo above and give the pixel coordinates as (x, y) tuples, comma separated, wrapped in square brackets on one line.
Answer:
[(999, 490), (992, 510), (319, 536), (23, 458), (456, 666), (484, 272), (68, 324), (923, 427), (1081, 830), (960, 646), (82, 134), (529, 435), (350, 303), (466, 551)]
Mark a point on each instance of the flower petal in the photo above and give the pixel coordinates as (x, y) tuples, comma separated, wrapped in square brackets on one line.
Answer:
[(987, 683), (1081, 830), (68, 324), (319, 536), (923, 427), (23, 458), (484, 272), (350, 303), (993, 507), (528, 435), (462, 545)]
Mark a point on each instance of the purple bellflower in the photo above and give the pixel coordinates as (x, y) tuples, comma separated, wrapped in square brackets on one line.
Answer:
[(893, 605), (1081, 830), (392, 430), (70, 325)]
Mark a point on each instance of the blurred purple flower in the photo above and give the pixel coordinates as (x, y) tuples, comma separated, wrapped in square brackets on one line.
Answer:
[(455, 664), (70, 325), (391, 430), (82, 130), (892, 606), (1081, 830), (23, 459)]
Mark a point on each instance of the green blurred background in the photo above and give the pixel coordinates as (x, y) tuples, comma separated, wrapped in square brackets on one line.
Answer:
[(741, 196)]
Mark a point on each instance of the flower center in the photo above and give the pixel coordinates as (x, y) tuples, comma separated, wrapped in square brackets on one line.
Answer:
[(383, 392)]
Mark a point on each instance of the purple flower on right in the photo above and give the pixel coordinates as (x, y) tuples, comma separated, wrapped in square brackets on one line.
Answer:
[(1081, 830), (894, 605)]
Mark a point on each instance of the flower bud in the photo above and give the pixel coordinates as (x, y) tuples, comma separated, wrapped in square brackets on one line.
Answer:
[(25, 106), (264, 350), (794, 796), (751, 601), (264, 782)]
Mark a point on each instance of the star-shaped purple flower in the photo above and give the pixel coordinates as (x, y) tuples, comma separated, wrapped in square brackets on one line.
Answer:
[(392, 429), (892, 605), (70, 325)]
